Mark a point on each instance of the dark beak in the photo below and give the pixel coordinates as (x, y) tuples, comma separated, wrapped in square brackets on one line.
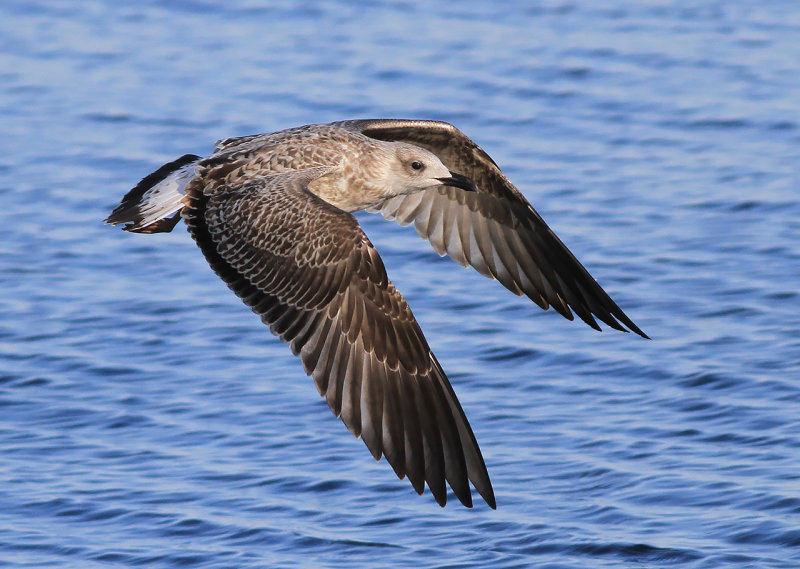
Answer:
[(459, 181)]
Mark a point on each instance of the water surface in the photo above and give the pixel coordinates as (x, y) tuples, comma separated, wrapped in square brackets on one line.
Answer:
[(148, 419)]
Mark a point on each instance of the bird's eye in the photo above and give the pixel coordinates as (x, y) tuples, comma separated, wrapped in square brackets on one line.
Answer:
[(416, 165)]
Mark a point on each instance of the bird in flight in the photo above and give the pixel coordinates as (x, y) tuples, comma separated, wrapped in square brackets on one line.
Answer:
[(272, 213)]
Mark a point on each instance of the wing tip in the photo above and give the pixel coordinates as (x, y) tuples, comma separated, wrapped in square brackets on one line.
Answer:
[(622, 321), (619, 324)]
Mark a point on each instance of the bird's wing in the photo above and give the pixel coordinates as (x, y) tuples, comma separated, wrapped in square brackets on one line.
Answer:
[(495, 230), (307, 269)]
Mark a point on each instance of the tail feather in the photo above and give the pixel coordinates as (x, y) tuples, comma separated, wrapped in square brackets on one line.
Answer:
[(154, 204)]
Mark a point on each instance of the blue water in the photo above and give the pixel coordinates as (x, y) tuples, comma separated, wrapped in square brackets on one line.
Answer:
[(148, 419)]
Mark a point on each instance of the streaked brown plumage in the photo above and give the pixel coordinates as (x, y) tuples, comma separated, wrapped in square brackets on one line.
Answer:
[(271, 213)]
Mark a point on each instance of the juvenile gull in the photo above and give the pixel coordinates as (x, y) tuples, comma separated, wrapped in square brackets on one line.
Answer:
[(272, 214)]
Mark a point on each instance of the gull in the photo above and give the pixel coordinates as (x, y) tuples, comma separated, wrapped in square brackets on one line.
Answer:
[(272, 213)]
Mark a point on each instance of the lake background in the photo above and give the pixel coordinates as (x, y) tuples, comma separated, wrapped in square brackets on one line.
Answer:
[(148, 419)]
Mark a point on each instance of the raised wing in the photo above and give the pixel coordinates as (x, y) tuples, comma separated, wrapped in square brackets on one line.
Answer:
[(313, 276), (495, 230)]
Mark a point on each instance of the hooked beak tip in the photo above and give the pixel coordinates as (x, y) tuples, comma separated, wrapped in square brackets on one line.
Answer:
[(459, 181)]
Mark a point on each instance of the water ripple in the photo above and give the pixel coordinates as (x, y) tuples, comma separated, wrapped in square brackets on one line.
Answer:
[(148, 419)]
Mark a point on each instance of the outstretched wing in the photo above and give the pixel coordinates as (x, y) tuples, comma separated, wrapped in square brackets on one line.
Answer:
[(312, 275), (495, 230)]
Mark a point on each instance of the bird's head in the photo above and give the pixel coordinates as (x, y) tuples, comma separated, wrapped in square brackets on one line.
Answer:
[(409, 168)]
